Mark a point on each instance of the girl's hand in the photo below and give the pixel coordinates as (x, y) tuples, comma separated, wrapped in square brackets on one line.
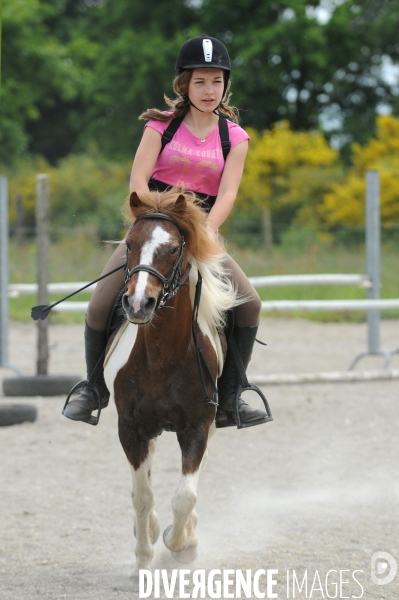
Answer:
[(212, 232)]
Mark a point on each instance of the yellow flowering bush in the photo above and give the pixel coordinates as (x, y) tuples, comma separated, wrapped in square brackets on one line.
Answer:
[(286, 175), (84, 190), (345, 204)]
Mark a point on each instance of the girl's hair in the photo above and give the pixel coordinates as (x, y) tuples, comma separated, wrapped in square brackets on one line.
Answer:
[(181, 104)]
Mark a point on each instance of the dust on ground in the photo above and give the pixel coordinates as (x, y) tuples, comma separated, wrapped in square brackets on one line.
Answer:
[(315, 490)]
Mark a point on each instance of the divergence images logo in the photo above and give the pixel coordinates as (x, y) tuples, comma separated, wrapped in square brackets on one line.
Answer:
[(383, 568)]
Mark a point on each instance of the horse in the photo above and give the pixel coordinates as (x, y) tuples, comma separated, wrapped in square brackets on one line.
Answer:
[(168, 356)]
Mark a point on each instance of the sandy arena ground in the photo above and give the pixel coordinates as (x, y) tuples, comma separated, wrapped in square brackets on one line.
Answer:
[(315, 490)]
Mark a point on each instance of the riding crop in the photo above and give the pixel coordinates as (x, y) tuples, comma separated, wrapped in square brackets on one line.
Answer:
[(42, 311)]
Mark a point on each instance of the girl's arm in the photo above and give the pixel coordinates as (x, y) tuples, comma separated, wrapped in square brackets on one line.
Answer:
[(145, 159), (229, 185)]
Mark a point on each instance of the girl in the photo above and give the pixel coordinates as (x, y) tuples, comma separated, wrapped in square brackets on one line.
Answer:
[(184, 148)]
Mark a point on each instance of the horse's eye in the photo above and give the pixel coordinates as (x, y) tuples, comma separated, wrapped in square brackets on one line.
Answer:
[(128, 246), (174, 250)]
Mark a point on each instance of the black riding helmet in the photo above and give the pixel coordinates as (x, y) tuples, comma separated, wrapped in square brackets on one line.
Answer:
[(204, 52)]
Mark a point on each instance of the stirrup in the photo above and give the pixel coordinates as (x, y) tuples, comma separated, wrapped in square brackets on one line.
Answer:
[(92, 420), (254, 388), (229, 420)]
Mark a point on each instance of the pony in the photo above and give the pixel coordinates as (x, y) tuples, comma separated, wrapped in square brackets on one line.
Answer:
[(156, 370)]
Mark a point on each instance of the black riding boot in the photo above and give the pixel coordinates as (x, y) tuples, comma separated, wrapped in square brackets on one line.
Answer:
[(229, 382), (84, 402)]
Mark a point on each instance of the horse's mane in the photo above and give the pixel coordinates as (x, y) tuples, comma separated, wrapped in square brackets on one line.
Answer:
[(205, 251), (190, 218)]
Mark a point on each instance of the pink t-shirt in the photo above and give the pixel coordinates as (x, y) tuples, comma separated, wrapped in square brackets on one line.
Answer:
[(190, 163)]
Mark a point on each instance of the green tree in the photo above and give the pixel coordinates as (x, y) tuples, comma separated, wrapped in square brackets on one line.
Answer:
[(361, 40), (279, 58), (288, 64), (139, 43), (78, 72), (44, 77)]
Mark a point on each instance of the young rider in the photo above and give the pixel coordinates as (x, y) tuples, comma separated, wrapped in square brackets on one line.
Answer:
[(194, 160)]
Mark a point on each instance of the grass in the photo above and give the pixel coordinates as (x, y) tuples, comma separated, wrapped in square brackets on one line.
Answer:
[(321, 258), (79, 258), (74, 258), (20, 309)]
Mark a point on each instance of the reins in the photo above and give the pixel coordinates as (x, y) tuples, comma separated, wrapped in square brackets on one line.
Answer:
[(214, 401)]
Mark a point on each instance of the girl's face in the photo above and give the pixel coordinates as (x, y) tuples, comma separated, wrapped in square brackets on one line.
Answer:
[(205, 89)]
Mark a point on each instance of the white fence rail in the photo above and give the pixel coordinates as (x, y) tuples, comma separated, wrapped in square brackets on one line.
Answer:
[(317, 279), (21, 289), (28, 289), (70, 307), (287, 305), (282, 305)]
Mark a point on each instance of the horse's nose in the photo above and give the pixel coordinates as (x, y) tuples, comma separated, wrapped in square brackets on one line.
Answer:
[(147, 305), (138, 310)]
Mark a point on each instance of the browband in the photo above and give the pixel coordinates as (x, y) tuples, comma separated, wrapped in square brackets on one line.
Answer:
[(157, 215)]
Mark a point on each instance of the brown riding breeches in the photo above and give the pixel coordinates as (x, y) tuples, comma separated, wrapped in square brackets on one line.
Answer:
[(100, 305)]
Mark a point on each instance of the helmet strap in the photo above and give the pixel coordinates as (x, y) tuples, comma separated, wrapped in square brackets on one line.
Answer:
[(214, 111), (191, 104), (217, 108)]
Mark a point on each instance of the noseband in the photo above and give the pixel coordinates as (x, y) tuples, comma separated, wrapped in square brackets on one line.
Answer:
[(171, 284)]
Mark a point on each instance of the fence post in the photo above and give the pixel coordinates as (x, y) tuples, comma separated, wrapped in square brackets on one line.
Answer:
[(373, 236), (42, 384), (4, 312), (42, 237), (3, 272), (373, 262), (19, 221)]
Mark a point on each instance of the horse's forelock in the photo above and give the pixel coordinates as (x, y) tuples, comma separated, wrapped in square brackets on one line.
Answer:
[(189, 216)]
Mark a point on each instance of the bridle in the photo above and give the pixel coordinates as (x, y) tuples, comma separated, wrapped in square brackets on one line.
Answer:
[(172, 283)]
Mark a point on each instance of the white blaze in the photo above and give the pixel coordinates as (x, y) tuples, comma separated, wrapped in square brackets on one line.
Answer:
[(159, 236)]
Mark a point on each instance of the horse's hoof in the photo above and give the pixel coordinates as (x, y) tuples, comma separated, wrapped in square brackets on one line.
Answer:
[(186, 556)]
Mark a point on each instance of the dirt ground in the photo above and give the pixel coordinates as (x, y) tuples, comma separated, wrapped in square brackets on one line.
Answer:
[(314, 491)]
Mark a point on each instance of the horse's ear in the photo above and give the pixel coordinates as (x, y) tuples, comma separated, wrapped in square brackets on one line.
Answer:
[(181, 202), (134, 200)]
